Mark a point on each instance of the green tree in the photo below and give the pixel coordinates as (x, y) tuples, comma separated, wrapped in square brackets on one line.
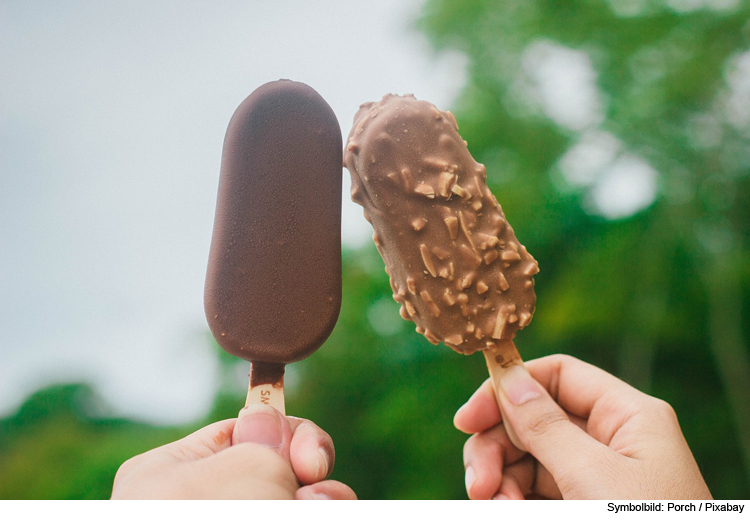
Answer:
[(60, 444)]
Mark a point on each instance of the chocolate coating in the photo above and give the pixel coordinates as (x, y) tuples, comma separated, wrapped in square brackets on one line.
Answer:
[(273, 286), (455, 265)]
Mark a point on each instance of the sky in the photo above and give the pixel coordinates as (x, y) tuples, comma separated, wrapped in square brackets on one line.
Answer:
[(112, 118)]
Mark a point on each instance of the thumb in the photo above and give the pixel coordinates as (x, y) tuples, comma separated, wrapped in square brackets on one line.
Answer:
[(262, 424), (542, 426)]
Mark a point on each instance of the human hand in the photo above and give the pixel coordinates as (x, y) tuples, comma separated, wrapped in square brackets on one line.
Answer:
[(589, 435), (259, 455)]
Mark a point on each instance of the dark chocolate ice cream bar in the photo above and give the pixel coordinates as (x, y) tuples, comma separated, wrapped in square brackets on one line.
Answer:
[(273, 286)]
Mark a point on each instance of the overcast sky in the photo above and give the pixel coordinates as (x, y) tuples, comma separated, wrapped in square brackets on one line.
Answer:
[(112, 117)]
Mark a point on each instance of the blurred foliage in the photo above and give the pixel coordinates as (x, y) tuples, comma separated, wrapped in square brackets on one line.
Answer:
[(57, 446), (656, 297)]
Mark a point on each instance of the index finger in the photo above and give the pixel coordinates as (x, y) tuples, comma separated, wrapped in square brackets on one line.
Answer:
[(480, 413), (311, 451), (581, 388)]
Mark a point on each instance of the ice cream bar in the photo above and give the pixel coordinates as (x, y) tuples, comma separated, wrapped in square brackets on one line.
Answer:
[(273, 286), (454, 262)]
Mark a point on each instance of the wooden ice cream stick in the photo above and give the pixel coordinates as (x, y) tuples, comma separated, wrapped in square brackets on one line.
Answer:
[(266, 385), (499, 359)]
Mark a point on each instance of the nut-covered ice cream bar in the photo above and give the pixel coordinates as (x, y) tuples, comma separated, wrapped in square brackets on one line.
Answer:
[(455, 264)]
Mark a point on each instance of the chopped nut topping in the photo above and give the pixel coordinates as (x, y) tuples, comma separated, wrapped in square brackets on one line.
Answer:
[(427, 259), (465, 230), (503, 282), (435, 163), (481, 287), (446, 142), (434, 310), (497, 332), (432, 338), (455, 339), (441, 253), (510, 255), (418, 223), (460, 191), (469, 256), (498, 222), (532, 268), (406, 177), (448, 299), (467, 280), (425, 189), (490, 256), (487, 241), (452, 223), (444, 183)]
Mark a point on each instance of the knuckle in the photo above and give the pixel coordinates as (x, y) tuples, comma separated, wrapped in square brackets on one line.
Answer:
[(308, 428), (543, 423), (662, 410), (567, 358), (563, 359), (128, 467)]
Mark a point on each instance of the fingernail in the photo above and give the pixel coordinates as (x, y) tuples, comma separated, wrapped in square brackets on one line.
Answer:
[(259, 424), (322, 463), (500, 496), (319, 496), (470, 478), (518, 385)]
